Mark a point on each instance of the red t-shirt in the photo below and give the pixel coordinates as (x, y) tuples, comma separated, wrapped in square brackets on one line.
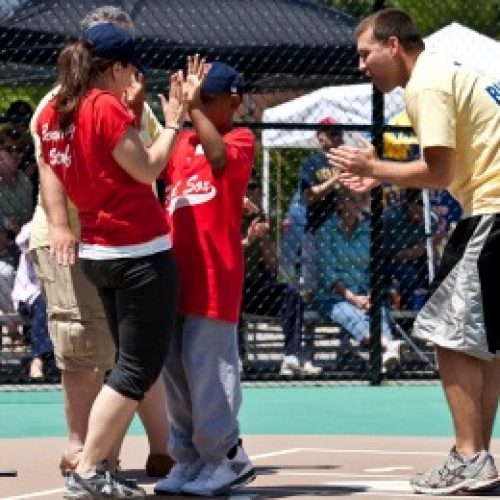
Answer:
[(205, 210), (114, 209)]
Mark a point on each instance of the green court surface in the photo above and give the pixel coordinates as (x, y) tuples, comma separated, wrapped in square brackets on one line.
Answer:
[(341, 410)]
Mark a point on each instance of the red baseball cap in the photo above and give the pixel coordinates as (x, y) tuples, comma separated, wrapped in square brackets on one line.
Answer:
[(328, 120)]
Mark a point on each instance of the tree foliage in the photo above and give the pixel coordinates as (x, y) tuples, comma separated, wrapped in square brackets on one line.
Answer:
[(431, 15)]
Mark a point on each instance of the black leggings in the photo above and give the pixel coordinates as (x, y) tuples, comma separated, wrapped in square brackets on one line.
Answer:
[(139, 297)]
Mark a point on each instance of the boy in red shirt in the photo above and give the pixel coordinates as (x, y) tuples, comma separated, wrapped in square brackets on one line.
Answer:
[(207, 177)]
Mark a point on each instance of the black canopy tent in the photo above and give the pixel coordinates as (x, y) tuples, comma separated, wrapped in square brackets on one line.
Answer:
[(274, 43)]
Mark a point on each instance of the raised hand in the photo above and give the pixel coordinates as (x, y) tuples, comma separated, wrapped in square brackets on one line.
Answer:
[(175, 108), (135, 96), (194, 80), (249, 208), (257, 230)]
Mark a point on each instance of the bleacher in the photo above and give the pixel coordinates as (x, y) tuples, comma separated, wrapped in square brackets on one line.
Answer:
[(15, 353), (328, 346)]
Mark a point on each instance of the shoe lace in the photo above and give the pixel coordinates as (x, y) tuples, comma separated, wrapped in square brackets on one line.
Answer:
[(207, 471), (108, 486), (451, 468)]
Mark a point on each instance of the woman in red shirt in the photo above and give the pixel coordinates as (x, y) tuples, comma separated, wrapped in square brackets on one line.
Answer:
[(94, 155)]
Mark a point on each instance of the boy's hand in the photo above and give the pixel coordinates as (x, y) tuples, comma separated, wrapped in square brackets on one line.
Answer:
[(194, 80)]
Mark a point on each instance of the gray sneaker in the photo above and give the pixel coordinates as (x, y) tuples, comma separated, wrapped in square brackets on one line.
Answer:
[(458, 475), (103, 484)]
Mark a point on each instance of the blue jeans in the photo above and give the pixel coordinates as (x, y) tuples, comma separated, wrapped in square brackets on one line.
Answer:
[(355, 321), (40, 340)]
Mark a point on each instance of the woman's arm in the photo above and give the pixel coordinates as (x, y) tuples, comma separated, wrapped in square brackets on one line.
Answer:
[(145, 164)]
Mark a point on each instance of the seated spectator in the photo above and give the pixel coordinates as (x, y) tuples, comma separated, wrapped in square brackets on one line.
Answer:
[(8, 264), (319, 186), (405, 245), (16, 190), (291, 241), (29, 302), (263, 294), (343, 250), (448, 212), (19, 114)]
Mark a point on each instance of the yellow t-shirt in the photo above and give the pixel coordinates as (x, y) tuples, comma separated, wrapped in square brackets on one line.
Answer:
[(458, 108), (150, 129)]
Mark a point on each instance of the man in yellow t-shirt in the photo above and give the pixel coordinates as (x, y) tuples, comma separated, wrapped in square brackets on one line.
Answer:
[(455, 113), (83, 346)]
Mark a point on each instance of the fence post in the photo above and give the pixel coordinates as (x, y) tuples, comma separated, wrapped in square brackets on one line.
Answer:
[(377, 287)]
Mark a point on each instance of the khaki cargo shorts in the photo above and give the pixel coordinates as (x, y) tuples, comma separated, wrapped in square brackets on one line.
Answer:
[(76, 317)]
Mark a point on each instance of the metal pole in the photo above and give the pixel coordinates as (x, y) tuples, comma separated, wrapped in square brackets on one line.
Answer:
[(377, 275), (265, 181), (428, 234)]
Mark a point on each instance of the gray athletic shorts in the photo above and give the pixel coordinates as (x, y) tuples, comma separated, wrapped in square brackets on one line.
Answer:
[(463, 312)]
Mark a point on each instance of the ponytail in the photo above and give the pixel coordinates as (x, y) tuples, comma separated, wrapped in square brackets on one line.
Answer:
[(77, 69)]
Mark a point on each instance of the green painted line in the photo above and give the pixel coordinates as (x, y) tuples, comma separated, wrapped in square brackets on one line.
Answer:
[(348, 410)]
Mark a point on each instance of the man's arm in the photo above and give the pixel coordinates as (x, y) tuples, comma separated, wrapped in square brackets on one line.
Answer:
[(316, 193), (54, 201), (360, 301), (210, 138)]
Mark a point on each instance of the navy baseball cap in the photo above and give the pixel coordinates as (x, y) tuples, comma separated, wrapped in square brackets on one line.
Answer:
[(111, 42), (223, 79)]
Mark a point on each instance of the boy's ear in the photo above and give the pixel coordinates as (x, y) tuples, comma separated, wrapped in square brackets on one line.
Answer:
[(235, 101)]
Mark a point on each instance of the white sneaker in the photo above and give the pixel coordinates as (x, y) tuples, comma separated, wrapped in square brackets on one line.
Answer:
[(309, 369), (391, 357), (290, 365), (219, 478), (180, 474)]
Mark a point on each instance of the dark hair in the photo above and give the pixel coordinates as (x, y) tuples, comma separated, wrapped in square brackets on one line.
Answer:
[(19, 111), (77, 70), (412, 195), (393, 22), (255, 181)]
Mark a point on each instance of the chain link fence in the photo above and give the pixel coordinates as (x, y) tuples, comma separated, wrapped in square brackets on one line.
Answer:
[(334, 279)]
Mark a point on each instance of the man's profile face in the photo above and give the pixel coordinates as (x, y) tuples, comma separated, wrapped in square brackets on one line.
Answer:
[(377, 61), (328, 140)]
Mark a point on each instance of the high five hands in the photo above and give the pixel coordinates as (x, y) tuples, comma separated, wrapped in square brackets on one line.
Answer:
[(356, 165), (184, 92)]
